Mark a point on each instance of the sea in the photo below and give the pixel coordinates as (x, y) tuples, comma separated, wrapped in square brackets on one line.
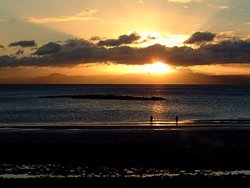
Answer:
[(28, 105)]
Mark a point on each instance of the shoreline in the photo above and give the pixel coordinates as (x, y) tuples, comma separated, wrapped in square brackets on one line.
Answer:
[(213, 123), (129, 128)]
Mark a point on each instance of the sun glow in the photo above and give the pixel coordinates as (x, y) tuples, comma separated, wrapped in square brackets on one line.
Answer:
[(158, 67), (165, 39)]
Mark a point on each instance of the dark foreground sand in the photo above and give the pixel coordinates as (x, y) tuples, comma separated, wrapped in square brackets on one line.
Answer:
[(183, 181), (213, 148)]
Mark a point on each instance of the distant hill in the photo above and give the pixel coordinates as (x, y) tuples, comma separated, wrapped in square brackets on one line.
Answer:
[(177, 78)]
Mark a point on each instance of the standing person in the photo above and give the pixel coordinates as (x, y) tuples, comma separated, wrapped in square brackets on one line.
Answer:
[(176, 120), (151, 119)]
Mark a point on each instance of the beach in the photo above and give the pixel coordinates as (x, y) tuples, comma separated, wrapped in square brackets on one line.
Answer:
[(112, 151), (103, 135)]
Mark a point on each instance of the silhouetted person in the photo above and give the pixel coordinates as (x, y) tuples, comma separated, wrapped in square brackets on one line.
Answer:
[(151, 119), (176, 120)]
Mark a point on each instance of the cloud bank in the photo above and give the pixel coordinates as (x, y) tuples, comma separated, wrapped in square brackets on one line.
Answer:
[(200, 37), (23, 43), (220, 7), (123, 39), (49, 48), (77, 51)]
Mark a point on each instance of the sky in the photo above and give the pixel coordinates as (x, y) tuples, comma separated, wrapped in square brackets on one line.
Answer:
[(125, 41)]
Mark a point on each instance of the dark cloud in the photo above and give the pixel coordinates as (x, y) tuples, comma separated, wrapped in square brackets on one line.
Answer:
[(75, 52), (123, 39), (95, 38), (152, 37), (19, 52), (49, 48), (200, 37), (229, 51), (23, 43), (73, 43), (149, 38), (9, 61), (225, 52)]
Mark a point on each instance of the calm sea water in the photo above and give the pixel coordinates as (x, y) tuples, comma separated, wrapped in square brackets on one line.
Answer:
[(21, 104)]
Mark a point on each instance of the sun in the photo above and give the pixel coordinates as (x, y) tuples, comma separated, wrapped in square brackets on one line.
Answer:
[(157, 67)]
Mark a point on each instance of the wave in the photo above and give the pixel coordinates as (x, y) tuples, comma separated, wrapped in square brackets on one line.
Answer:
[(106, 97), (24, 171), (218, 121)]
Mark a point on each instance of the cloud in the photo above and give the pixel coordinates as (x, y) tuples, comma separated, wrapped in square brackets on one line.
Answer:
[(95, 38), (23, 43), (74, 43), (220, 7), (200, 37), (19, 52), (77, 51), (184, 1), (49, 48), (123, 39), (151, 37), (226, 35), (84, 15)]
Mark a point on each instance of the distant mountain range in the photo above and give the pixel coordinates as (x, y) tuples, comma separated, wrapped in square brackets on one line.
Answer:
[(177, 78)]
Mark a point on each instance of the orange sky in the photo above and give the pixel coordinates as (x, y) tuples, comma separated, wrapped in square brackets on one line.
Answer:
[(149, 41)]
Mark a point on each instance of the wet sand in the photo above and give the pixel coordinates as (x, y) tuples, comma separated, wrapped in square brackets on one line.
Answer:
[(194, 147), (183, 181), (173, 147)]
